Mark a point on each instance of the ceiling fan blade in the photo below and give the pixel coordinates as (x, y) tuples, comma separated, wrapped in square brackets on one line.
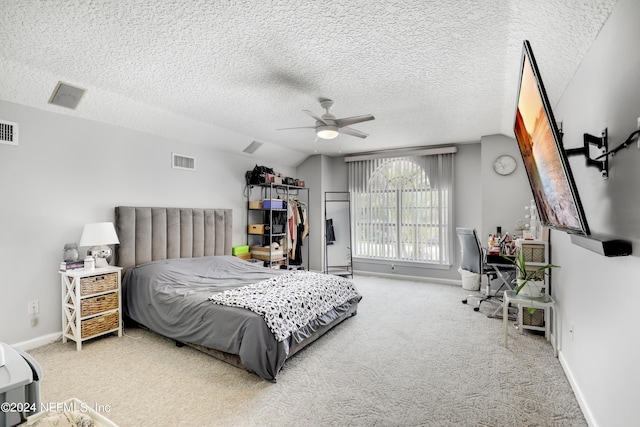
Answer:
[(353, 120), (301, 127), (353, 132), (320, 119)]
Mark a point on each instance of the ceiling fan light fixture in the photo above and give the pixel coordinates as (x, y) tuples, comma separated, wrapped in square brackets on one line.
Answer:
[(327, 132)]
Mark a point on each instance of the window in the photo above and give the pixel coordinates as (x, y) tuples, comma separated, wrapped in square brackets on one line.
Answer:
[(402, 208)]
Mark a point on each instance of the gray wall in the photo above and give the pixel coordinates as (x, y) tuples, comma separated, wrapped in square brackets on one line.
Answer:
[(482, 200), (67, 172), (503, 197), (468, 212), (321, 174), (598, 296), (316, 175)]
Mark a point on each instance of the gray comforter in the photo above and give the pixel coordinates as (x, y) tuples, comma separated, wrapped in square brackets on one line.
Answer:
[(171, 297)]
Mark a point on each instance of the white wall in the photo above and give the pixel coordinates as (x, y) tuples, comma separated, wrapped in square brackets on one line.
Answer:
[(598, 296), (66, 172), (316, 175), (468, 210), (482, 200), (503, 197), (321, 174)]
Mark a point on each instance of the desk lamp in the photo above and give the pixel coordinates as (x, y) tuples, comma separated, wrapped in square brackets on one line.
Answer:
[(97, 236)]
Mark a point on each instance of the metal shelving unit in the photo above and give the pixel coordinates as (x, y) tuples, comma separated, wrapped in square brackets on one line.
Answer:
[(272, 218)]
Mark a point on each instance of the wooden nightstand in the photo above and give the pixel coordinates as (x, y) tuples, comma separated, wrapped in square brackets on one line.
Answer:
[(91, 303)]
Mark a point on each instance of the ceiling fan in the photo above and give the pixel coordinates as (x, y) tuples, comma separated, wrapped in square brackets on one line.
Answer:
[(328, 127)]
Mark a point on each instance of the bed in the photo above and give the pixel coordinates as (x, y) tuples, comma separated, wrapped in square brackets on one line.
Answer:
[(180, 281)]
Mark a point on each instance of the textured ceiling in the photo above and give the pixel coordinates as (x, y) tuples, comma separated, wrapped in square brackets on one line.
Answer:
[(225, 73)]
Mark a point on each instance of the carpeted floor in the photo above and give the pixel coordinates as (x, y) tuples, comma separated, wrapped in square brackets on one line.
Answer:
[(413, 356)]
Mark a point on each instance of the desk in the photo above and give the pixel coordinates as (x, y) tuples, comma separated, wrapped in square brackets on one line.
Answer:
[(544, 302), (505, 272), (495, 258)]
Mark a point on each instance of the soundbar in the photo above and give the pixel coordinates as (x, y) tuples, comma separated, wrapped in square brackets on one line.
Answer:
[(603, 245)]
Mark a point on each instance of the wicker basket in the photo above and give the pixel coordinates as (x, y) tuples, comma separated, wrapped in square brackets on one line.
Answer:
[(533, 252), (94, 305), (255, 228), (275, 256), (99, 324), (265, 253), (99, 283), (535, 319)]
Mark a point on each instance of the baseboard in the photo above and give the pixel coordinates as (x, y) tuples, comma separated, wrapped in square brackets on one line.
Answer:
[(37, 342), (578, 393), (411, 278)]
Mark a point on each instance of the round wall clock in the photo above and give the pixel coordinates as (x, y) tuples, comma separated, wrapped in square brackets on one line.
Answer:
[(504, 165)]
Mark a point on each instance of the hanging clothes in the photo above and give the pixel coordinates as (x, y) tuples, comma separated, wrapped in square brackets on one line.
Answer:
[(305, 231), (298, 229), (331, 235), (290, 225), (298, 249)]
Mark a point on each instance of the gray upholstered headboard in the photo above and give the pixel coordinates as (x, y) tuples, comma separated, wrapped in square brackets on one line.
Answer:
[(149, 234)]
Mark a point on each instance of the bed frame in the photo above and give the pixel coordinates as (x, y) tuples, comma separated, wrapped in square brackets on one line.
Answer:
[(155, 233), (149, 234)]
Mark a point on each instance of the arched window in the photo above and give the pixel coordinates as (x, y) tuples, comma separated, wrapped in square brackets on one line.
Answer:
[(402, 208)]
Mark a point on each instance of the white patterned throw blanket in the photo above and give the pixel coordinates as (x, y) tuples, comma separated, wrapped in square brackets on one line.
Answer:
[(290, 301)]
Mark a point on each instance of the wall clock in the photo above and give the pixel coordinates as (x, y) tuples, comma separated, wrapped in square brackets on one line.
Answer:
[(504, 165)]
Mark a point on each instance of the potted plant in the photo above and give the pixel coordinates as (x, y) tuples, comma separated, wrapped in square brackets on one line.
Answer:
[(530, 280)]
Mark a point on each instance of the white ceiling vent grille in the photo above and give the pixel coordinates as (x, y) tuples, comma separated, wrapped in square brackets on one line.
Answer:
[(66, 95), (251, 148), (180, 161), (8, 133)]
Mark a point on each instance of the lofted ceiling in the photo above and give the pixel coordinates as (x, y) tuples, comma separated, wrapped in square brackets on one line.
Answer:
[(226, 73)]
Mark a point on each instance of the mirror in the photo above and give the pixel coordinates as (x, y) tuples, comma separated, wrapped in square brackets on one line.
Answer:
[(337, 214)]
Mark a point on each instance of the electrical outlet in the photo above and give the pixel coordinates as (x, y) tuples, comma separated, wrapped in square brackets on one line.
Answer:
[(33, 307)]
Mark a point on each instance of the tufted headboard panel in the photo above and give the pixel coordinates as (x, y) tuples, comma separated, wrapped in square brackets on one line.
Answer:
[(149, 234)]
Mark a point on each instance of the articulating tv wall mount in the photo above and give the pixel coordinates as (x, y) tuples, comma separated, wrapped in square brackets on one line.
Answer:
[(602, 143)]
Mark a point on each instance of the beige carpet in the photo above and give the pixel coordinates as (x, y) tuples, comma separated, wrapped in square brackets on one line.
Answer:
[(413, 356)]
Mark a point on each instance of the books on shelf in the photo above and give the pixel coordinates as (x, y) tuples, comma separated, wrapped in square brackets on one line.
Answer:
[(71, 265)]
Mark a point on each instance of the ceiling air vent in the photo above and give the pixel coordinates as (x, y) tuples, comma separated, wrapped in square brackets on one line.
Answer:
[(180, 161), (251, 148), (66, 95), (8, 133)]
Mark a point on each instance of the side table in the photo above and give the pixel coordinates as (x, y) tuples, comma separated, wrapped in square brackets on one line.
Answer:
[(91, 303), (544, 302)]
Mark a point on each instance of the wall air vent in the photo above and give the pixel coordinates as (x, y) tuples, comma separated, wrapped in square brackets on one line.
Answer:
[(180, 161), (8, 133)]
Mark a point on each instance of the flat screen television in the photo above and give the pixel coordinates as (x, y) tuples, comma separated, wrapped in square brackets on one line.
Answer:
[(544, 157)]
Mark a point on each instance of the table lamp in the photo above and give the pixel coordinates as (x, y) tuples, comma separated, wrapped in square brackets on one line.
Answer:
[(97, 236)]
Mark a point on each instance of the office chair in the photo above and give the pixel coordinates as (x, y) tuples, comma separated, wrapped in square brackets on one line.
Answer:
[(474, 260)]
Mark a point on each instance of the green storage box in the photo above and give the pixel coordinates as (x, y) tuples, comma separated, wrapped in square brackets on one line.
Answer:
[(237, 250)]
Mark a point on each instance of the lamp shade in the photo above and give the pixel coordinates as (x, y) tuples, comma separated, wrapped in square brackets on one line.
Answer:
[(98, 234)]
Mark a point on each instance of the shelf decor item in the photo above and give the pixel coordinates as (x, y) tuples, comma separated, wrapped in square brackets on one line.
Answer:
[(70, 253)]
